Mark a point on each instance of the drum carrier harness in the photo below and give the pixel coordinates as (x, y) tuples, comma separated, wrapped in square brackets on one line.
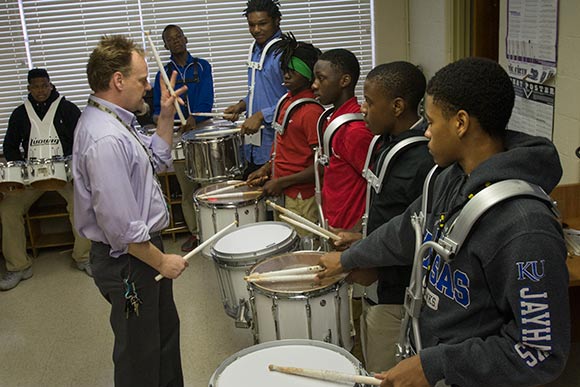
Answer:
[(255, 66), (324, 150), (184, 81), (281, 128), (450, 243), (375, 182)]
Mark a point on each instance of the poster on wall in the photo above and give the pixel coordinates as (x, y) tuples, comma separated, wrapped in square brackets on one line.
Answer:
[(534, 108), (532, 37)]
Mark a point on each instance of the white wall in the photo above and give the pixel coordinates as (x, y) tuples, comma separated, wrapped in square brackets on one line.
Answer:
[(428, 34), (391, 27)]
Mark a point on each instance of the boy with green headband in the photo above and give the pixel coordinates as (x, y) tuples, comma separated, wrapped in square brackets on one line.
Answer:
[(291, 167)]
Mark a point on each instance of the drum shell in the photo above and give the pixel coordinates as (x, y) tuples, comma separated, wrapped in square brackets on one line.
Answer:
[(212, 216), (211, 159), (231, 267), (320, 313), (249, 367), (13, 176), (49, 174)]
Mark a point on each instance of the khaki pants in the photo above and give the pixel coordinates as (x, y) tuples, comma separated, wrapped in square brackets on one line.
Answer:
[(306, 208), (12, 210), (380, 326), (188, 187)]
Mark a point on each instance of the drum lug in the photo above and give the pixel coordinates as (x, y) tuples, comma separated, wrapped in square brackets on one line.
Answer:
[(328, 337), (275, 316), (309, 318), (242, 318), (254, 321), (338, 315)]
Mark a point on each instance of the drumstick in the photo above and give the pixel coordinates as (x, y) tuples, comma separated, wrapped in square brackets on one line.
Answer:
[(204, 244), (331, 376), (284, 278), (223, 189), (166, 79), (298, 270), (257, 180), (210, 114), (304, 226), (300, 219), (234, 195), (214, 133)]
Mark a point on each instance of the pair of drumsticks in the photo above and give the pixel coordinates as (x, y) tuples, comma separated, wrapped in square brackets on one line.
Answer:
[(219, 193), (307, 273)]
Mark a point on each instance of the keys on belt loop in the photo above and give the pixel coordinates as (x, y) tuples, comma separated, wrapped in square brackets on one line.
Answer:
[(132, 300)]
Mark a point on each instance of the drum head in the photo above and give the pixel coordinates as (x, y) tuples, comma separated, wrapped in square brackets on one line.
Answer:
[(249, 367), (209, 132), (231, 202), (292, 261), (254, 240)]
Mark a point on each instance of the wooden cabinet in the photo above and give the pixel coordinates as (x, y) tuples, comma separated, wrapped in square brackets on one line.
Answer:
[(48, 224), (172, 194)]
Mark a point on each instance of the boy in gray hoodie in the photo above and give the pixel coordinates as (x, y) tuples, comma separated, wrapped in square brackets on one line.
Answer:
[(497, 314)]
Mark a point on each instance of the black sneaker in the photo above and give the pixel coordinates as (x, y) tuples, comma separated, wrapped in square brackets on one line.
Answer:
[(190, 244)]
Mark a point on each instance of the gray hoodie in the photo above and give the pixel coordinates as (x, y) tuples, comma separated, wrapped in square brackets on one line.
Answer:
[(498, 314)]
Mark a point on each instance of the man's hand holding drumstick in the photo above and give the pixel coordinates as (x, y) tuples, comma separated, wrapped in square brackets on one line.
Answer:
[(168, 109), (331, 263)]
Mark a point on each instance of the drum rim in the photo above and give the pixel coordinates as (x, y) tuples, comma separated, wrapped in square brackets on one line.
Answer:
[(229, 205), (285, 342), (192, 135), (14, 163), (250, 259)]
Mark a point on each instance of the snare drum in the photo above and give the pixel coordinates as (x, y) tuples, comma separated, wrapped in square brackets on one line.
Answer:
[(300, 310), (215, 157), (215, 214), (48, 174), (13, 176), (249, 367), (235, 253)]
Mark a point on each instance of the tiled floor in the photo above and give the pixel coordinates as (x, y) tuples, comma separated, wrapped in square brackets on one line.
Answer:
[(54, 328)]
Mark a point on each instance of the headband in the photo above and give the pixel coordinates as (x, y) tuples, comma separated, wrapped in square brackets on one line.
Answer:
[(300, 67)]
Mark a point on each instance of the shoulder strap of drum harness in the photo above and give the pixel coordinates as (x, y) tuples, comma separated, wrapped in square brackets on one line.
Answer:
[(181, 82), (376, 182), (324, 149), (256, 66), (281, 128), (450, 243)]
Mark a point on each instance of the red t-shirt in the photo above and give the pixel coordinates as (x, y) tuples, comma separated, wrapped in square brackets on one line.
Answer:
[(344, 188), (294, 148)]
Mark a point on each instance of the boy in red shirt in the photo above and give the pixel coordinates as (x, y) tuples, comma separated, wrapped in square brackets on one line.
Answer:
[(343, 191), (291, 167)]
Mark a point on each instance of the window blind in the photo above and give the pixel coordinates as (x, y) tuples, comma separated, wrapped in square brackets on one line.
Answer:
[(63, 33)]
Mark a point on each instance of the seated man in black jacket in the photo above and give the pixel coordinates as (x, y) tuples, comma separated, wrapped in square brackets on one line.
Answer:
[(44, 127)]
